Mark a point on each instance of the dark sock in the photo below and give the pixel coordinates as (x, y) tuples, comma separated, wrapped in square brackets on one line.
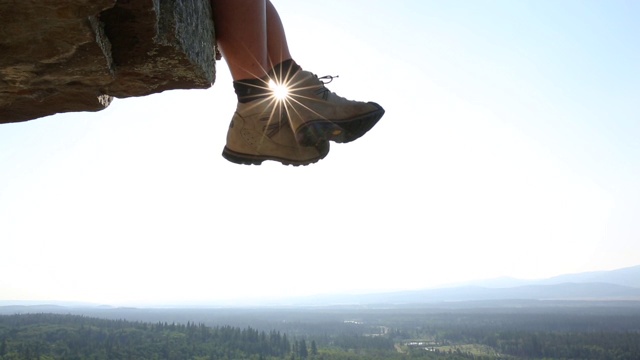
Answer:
[(253, 89), (285, 69)]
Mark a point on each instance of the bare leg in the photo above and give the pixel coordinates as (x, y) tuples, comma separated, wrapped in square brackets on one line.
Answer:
[(277, 46), (293, 126), (241, 33), (250, 35)]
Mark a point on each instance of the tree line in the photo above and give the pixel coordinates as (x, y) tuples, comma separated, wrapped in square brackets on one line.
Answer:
[(48, 336), (507, 336)]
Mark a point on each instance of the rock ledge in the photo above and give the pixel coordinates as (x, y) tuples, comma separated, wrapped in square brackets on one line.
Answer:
[(60, 56)]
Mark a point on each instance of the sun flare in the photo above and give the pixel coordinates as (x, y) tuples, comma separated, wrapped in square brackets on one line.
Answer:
[(280, 91)]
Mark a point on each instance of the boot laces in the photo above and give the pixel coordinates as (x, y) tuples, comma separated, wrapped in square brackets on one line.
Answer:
[(328, 78), (325, 80)]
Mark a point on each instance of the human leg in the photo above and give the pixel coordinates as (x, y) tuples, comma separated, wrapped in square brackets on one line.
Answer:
[(277, 46), (250, 35), (241, 34), (294, 130), (244, 30)]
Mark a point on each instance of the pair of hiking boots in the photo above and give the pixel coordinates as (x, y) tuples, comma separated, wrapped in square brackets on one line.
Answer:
[(294, 122)]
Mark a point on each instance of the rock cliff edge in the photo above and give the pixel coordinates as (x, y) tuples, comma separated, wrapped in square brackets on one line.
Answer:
[(60, 56)]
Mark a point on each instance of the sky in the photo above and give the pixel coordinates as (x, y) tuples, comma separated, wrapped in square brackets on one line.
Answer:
[(508, 149)]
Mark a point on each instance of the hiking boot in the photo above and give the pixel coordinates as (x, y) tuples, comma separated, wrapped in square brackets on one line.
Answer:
[(260, 131), (318, 115)]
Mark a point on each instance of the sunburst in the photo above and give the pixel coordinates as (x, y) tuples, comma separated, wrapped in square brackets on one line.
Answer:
[(280, 90), (285, 99)]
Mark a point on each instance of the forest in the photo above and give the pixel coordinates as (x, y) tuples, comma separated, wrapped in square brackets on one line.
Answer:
[(591, 332)]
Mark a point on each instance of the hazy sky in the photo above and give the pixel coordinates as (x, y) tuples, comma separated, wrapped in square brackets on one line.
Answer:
[(509, 148)]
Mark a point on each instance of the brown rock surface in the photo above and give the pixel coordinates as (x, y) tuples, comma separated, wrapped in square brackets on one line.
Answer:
[(59, 56)]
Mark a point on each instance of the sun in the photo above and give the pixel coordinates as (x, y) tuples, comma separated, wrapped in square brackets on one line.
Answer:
[(280, 91)]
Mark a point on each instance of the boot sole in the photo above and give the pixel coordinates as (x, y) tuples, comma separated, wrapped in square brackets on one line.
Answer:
[(249, 159), (343, 131)]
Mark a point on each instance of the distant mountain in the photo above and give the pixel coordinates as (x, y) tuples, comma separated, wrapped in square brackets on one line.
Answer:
[(600, 286), (625, 277), (618, 285), (19, 303), (30, 309), (565, 291)]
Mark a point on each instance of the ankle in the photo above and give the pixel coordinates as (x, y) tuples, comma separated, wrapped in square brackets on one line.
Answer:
[(252, 89), (284, 69)]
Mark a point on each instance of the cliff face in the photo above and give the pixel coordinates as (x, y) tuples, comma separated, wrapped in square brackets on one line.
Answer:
[(76, 55)]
